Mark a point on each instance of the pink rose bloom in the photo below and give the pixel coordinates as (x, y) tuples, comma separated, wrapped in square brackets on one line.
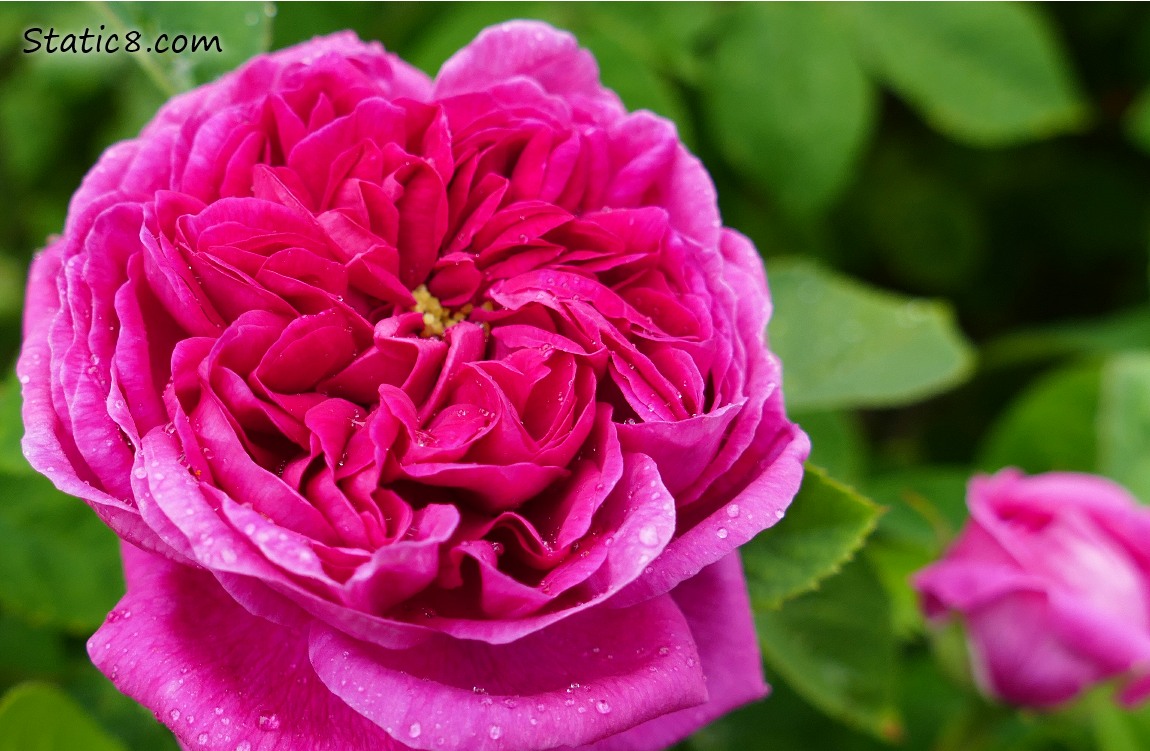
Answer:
[(1052, 576), (431, 412)]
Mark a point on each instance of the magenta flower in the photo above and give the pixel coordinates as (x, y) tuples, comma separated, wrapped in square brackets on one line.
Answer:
[(1052, 576), (432, 412)]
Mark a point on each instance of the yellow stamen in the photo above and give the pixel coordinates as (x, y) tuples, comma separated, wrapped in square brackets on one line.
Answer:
[(436, 318)]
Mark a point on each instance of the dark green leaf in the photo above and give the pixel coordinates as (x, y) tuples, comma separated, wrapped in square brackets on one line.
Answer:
[(835, 646), (826, 523), (844, 344), (1121, 332)]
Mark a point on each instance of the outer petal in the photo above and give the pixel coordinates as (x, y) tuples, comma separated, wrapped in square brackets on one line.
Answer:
[(529, 49), (219, 677), (588, 677), (719, 613), (47, 442)]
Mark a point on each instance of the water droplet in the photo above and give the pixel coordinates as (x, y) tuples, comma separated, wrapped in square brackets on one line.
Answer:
[(174, 714), (219, 711), (269, 722), (779, 513), (664, 651), (244, 746), (414, 730), (722, 533), (733, 510), (228, 555), (648, 535), (139, 473), (203, 739), (602, 707), (495, 732)]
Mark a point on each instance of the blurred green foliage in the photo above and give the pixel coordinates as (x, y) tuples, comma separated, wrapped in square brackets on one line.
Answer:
[(954, 204)]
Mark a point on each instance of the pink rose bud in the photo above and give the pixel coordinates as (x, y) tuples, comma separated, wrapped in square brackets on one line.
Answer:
[(432, 412), (1052, 577)]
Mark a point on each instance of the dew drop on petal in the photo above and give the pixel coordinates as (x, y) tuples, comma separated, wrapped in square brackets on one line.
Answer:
[(414, 730), (733, 510), (779, 513), (648, 535), (174, 714), (602, 707), (722, 533), (495, 732)]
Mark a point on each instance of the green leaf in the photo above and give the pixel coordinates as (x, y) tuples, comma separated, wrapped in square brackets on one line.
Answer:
[(135, 726), (1116, 729), (1138, 121), (12, 459), (926, 507), (28, 651), (845, 344), (789, 104), (1122, 332), (837, 442), (836, 648), (989, 74), (1124, 423), (226, 35), (789, 722), (1050, 426), (39, 717), (61, 564), (826, 523)]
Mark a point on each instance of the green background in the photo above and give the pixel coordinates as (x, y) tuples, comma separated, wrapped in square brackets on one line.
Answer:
[(953, 201)]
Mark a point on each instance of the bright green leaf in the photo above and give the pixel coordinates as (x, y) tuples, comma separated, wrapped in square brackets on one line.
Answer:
[(61, 564), (39, 717), (825, 524), (988, 74), (1050, 426), (835, 646), (844, 344), (224, 34), (1117, 729), (788, 102), (1124, 423)]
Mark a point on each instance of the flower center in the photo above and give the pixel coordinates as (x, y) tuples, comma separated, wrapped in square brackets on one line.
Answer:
[(436, 318)]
